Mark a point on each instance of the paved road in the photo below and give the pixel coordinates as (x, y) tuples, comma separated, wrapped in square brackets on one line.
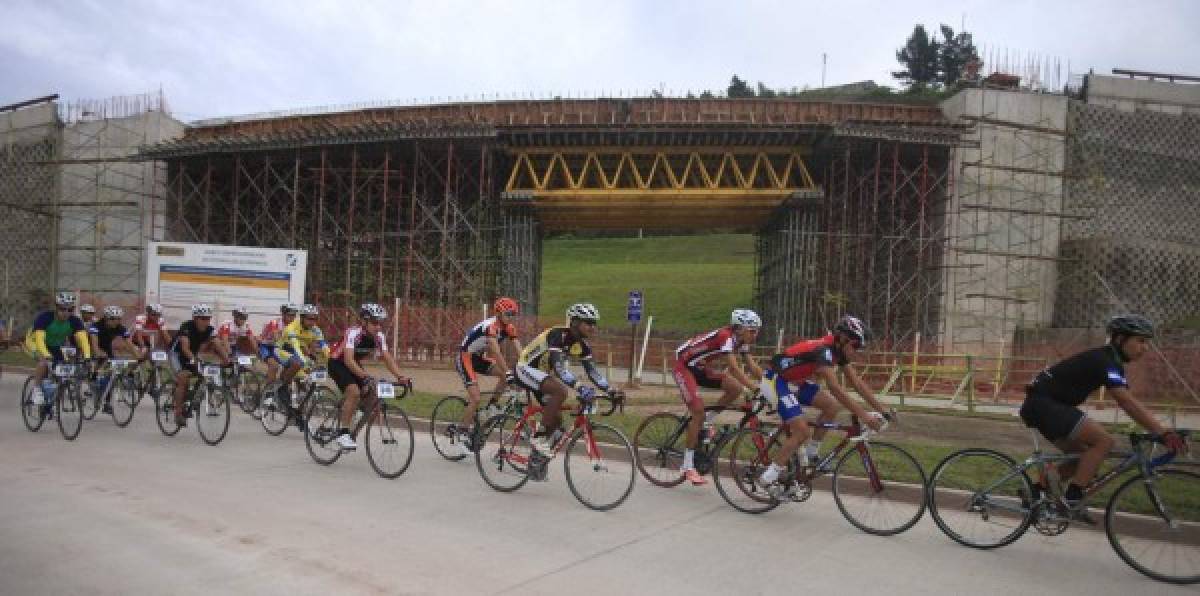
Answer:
[(128, 511)]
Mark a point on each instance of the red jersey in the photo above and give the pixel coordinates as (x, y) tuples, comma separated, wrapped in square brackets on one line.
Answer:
[(697, 351), (363, 344), (230, 329), (145, 323), (476, 340), (800, 360), (271, 331)]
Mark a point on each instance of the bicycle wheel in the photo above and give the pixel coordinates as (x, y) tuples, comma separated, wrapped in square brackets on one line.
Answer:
[(323, 414), (68, 410), (212, 412), (123, 399), (31, 412), (164, 409), (89, 400), (389, 441), (249, 386), (504, 452), (444, 425), (980, 498), (659, 443), (599, 466), (1155, 527), (740, 459), (275, 416), (879, 488)]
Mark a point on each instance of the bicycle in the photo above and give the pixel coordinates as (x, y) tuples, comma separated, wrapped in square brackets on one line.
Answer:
[(60, 393), (246, 384), (1155, 509), (122, 382), (595, 453), (206, 400), (388, 452), (449, 410), (879, 477), (152, 381), (659, 441), (275, 416)]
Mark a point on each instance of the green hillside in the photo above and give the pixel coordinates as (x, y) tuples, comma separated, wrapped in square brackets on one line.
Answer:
[(690, 283)]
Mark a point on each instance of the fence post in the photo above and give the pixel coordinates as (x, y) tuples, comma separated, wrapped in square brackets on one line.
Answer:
[(970, 383), (912, 384)]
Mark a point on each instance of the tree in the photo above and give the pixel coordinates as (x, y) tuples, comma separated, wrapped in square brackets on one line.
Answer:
[(919, 56), (765, 91), (738, 88), (955, 52)]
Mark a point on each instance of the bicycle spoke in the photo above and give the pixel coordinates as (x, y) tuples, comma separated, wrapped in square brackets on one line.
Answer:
[(979, 498), (599, 467), (879, 488), (1155, 528)]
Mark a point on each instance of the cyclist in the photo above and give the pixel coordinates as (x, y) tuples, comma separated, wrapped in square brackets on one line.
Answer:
[(272, 333), (87, 313), (1052, 400), (50, 332), (789, 380), (150, 328), (107, 336), (694, 361), (194, 336), (542, 369), (238, 332), (302, 340), (483, 351), (347, 370)]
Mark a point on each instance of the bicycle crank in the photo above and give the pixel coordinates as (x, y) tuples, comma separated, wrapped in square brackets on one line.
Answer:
[(1051, 518)]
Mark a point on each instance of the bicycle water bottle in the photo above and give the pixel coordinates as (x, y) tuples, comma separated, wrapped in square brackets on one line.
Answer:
[(707, 432)]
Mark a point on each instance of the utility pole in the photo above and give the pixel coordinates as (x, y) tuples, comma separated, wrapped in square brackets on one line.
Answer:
[(824, 56)]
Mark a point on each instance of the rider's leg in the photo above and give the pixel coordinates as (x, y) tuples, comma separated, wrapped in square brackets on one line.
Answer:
[(829, 408), (181, 383), (1092, 443), (469, 376), (731, 388), (798, 432), (555, 393)]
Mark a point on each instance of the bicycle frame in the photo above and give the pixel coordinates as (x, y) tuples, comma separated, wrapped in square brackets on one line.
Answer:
[(854, 435)]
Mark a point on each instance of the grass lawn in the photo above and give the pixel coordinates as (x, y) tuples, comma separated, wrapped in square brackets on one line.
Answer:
[(689, 283)]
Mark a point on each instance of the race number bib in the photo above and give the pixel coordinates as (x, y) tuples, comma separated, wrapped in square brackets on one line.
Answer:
[(318, 375), (244, 360), (385, 390), (64, 370), (158, 356), (212, 373)]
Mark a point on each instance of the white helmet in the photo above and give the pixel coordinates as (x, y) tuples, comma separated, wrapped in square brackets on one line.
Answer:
[(64, 299), (288, 308), (744, 317), (583, 310), (309, 310), (202, 310), (113, 312), (87, 308), (241, 310), (372, 311), (155, 309)]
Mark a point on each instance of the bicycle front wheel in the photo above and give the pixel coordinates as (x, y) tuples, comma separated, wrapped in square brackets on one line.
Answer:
[(31, 411), (740, 458), (274, 414), (124, 400), (212, 412), (249, 390), (164, 408), (879, 488), (1155, 526), (89, 400), (659, 443), (444, 424), (599, 466), (980, 498), (324, 422), (390, 441), (68, 410), (504, 452)]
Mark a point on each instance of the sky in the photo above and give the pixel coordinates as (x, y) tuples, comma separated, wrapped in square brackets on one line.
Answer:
[(225, 58)]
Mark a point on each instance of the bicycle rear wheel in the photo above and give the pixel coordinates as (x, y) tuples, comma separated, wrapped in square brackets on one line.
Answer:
[(444, 425), (31, 412), (980, 498), (740, 459), (323, 415), (275, 416), (123, 399), (213, 411), (390, 441), (599, 467), (879, 488), (659, 443), (89, 400), (1155, 527), (504, 453), (68, 410), (164, 409), (249, 389)]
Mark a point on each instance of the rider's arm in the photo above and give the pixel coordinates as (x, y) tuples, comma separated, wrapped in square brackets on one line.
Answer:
[(390, 363), (94, 342), (756, 371), (735, 369), (1136, 410), (120, 343), (593, 373), (861, 387), (558, 363), (493, 348), (84, 342), (828, 376), (322, 345), (185, 347), (351, 363)]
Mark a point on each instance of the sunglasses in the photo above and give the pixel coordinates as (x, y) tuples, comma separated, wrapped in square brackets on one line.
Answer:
[(510, 313), (65, 309), (204, 318), (591, 322)]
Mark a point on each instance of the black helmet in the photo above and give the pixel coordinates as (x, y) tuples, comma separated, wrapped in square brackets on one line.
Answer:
[(853, 328), (1136, 325)]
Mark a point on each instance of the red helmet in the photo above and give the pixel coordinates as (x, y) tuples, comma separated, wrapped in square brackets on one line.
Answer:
[(506, 304)]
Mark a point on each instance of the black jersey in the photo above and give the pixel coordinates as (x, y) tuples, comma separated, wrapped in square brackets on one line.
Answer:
[(105, 335), (1072, 380), (196, 338)]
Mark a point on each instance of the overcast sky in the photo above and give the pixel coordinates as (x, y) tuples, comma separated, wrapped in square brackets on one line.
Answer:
[(227, 57)]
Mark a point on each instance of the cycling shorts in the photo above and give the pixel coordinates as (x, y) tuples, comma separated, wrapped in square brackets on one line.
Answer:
[(469, 365), (790, 402), (1054, 419)]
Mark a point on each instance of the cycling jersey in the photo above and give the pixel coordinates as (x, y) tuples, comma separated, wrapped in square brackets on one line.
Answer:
[(230, 329), (105, 335), (196, 337), (145, 323), (800, 360), (550, 353), (476, 340), (49, 334), (296, 339), (1072, 380), (697, 351), (361, 343), (272, 331)]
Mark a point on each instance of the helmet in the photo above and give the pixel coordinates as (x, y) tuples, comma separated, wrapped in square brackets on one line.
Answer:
[(87, 308), (1130, 325), (113, 312), (155, 309), (372, 311), (288, 308), (64, 299), (853, 328), (201, 310), (309, 310), (583, 310), (745, 318), (241, 310), (505, 304)]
